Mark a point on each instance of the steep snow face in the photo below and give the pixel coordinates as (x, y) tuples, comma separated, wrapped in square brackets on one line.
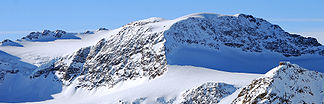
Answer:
[(8, 42), (287, 83), (207, 93), (48, 35), (134, 52)]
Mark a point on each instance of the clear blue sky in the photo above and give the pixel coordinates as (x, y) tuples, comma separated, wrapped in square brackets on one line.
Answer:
[(19, 17)]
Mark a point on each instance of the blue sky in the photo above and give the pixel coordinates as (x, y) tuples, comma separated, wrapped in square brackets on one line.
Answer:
[(19, 17)]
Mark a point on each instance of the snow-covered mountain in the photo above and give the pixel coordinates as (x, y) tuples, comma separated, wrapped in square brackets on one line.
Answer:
[(48, 35), (8, 42), (109, 62), (288, 84)]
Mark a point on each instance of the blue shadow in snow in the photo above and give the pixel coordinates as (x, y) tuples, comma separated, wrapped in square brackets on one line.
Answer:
[(19, 87)]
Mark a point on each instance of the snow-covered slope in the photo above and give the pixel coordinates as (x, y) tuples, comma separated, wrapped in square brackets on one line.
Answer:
[(288, 84), (11, 65), (166, 89), (16, 86)]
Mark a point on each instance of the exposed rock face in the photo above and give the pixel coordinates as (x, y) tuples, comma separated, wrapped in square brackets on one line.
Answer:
[(286, 84), (207, 93), (134, 52), (241, 31)]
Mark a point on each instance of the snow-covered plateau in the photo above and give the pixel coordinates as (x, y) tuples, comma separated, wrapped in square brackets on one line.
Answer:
[(199, 58)]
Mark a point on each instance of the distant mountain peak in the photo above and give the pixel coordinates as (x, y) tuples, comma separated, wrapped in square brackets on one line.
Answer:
[(102, 28), (48, 35), (8, 42)]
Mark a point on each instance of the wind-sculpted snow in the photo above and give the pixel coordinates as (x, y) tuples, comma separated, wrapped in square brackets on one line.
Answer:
[(286, 84), (240, 31), (134, 52), (207, 93)]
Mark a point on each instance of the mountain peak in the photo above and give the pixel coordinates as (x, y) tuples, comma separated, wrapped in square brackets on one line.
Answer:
[(240, 31), (286, 68), (287, 83), (48, 35), (8, 42)]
